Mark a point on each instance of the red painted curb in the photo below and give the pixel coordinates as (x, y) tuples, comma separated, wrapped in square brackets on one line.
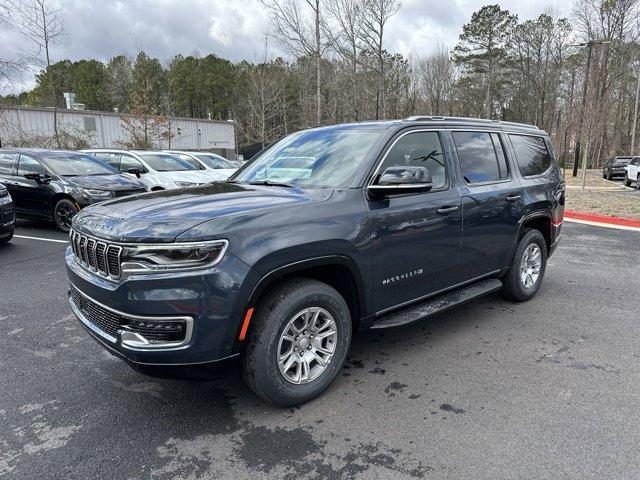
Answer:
[(589, 217)]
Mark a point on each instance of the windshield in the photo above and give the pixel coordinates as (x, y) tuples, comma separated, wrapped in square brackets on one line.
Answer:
[(214, 161), (68, 164), (323, 158), (163, 162), (622, 161)]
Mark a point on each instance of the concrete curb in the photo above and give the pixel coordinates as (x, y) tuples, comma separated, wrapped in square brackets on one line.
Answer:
[(602, 221)]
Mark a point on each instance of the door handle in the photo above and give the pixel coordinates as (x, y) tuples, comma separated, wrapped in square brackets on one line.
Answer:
[(447, 209), (513, 198)]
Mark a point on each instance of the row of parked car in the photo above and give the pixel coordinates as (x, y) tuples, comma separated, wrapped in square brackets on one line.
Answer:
[(53, 185), (623, 166)]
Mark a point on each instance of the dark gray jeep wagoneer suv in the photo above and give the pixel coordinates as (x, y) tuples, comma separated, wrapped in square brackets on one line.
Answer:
[(328, 231)]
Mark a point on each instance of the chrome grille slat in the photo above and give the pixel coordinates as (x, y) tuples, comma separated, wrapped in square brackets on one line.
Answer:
[(96, 255)]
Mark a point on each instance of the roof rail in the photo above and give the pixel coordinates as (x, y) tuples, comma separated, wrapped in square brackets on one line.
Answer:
[(482, 121)]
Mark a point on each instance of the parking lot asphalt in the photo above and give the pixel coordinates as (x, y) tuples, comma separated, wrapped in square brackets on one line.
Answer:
[(493, 389)]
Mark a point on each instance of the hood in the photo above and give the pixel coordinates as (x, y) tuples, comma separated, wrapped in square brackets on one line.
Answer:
[(163, 216), (106, 182)]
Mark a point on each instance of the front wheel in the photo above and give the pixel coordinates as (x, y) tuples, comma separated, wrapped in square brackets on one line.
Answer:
[(638, 182), (63, 214), (6, 239), (299, 340), (529, 263), (627, 182)]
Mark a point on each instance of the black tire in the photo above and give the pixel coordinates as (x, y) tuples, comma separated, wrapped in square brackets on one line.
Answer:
[(627, 182), (638, 182), (63, 214), (604, 174), (7, 239), (272, 315), (514, 289), (609, 177)]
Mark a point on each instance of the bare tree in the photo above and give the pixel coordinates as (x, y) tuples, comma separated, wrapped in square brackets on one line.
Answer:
[(434, 78), (41, 24), (377, 14), (300, 30), (344, 28)]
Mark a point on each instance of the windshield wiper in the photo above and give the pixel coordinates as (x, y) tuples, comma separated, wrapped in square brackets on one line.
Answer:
[(269, 183)]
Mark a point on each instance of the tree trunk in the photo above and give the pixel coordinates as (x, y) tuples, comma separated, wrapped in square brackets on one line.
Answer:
[(318, 67)]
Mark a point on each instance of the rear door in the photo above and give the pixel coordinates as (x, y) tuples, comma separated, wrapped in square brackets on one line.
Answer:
[(416, 237), (492, 202)]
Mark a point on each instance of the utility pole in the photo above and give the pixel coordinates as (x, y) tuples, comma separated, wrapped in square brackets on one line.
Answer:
[(635, 117)]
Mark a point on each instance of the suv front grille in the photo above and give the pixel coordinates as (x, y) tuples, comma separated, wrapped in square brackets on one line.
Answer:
[(159, 332), (106, 320), (96, 255)]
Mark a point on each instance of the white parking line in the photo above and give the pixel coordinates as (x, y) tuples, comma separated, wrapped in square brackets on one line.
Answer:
[(42, 239)]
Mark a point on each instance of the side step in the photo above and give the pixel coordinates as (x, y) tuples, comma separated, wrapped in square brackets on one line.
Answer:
[(438, 304)]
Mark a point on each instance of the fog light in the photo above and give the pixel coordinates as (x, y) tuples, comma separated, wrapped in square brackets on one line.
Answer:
[(153, 334)]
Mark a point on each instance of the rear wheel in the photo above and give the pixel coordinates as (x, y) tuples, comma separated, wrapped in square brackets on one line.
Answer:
[(63, 214), (523, 280), (300, 336)]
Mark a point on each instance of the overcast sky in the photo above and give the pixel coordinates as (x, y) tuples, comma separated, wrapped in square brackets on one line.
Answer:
[(234, 29)]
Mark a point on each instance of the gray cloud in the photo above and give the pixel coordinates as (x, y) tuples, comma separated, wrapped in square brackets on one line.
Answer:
[(234, 29)]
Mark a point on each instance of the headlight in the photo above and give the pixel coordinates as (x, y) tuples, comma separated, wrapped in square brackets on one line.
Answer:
[(91, 193), (172, 257)]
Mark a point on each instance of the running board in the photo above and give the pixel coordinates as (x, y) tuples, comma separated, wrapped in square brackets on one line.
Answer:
[(438, 304)]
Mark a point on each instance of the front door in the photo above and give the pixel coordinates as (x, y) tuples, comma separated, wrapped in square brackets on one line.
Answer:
[(415, 237), (31, 196)]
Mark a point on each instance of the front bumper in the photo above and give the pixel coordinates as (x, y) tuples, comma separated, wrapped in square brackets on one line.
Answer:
[(208, 301)]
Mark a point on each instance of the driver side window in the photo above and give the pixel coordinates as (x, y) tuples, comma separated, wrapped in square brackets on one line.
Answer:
[(29, 165), (129, 163), (418, 149)]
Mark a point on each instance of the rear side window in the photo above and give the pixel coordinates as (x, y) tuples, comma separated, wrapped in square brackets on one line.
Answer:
[(481, 157), (532, 154), (6, 162)]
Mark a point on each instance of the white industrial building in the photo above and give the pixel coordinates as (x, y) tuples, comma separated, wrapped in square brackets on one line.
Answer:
[(106, 129)]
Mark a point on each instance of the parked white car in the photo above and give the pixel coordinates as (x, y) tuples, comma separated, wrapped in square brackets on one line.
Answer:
[(212, 163), (632, 173), (156, 169)]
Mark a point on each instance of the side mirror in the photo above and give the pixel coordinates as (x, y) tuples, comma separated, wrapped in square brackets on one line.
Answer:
[(39, 179), (398, 180), (135, 172)]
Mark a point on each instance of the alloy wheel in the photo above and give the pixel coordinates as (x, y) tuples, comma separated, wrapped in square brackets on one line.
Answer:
[(530, 266), (307, 345), (64, 215)]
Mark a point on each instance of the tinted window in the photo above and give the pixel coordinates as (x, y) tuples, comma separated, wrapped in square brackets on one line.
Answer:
[(164, 162), (127, 162), (478, 157), (191, 161), (111, 158), (70, 164), (212, 160), (419, 149), (6, 162), (532, 154), (502, 160), (29, 165)]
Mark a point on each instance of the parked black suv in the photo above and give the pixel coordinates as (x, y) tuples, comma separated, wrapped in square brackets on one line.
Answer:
[(615, 167), (7, 216), (56, 184), (329, 231)]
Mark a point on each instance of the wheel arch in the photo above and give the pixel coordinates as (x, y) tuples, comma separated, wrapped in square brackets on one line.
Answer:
[(542, 221), (56, 198), (338, 271)]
